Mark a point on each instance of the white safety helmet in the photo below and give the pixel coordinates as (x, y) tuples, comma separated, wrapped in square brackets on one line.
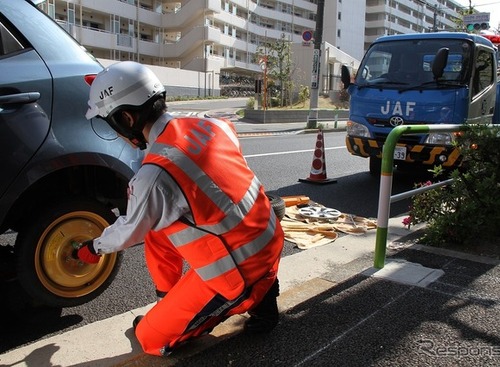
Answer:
[(126, 85)]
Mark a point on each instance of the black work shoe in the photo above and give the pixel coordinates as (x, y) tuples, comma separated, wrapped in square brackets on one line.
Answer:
[(136, 321), (160, 295), (265, 316), (260, 325)]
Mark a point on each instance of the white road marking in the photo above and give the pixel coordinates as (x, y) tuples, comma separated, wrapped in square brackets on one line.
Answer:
[(289, 152)]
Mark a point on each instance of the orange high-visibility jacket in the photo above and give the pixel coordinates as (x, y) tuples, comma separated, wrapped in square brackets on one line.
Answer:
[(235, 237)]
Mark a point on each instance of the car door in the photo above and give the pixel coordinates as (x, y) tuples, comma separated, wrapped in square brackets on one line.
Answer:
[(25, 101)]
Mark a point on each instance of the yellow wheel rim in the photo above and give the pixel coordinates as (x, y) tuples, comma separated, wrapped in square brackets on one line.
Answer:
[(55, 267)]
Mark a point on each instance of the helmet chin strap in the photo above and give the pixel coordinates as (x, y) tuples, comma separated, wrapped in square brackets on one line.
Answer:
[(138, 140), (137, 136), (133, 132)]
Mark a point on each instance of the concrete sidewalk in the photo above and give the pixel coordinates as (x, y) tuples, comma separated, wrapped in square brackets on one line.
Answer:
[(425, 307)]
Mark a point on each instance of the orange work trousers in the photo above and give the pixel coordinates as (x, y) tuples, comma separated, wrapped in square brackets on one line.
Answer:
[(190, 308)]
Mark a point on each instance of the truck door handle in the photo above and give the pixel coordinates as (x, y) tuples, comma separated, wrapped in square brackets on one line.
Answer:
[(19, 98)]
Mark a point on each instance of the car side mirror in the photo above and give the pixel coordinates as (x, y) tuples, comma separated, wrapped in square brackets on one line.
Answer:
[(440, 61), (345, 76)]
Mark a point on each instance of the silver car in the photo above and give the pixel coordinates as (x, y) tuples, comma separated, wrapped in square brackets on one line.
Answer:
[(64, 179)]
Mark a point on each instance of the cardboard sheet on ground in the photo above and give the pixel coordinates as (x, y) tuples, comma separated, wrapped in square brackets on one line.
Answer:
[(307, 232)]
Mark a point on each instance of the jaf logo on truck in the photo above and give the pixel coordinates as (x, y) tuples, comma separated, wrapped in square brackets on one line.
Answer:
[(397, 108)]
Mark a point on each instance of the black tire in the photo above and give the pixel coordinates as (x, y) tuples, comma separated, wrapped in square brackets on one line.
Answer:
[(278, 205), (375, 166), (45, 267)]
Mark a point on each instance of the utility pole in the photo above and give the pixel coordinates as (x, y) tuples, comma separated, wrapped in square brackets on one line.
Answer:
[(316, 67)]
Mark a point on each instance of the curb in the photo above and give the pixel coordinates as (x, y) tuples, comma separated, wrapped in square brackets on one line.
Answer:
[(284, 132), (339, 125)]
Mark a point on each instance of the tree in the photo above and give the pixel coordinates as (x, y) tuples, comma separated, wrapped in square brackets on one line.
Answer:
[(304, 94), (459, 22), (279, 66)]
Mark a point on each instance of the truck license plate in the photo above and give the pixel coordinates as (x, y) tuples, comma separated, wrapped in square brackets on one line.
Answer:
[(400, 153)]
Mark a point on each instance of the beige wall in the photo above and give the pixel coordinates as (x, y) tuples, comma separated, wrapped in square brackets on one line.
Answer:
[(186, 79)]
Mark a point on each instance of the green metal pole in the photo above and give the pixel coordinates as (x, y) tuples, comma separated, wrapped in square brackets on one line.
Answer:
[(386, 181), (385, 194)]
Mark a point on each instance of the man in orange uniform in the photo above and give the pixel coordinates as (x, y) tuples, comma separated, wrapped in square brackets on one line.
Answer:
[(195, 200)]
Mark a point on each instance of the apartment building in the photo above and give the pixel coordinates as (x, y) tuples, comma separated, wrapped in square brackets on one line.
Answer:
[(386, 17), (344, 26), (218, 40), (209, 36)]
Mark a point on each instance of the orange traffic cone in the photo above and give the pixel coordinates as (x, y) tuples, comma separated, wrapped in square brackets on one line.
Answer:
[(318, 168)]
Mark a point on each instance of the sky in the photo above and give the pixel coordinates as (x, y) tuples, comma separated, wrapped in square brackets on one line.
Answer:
[(485, 6)]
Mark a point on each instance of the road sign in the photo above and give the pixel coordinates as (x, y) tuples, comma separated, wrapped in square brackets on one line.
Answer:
[(477, 21), (477, 18), (307, 36), (315, 69)]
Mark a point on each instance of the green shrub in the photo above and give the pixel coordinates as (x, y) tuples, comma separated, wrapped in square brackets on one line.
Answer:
[(275, 102), (467, 210), (250, 103)]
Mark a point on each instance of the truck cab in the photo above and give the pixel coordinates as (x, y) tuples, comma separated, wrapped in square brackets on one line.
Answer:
[(415, 79)]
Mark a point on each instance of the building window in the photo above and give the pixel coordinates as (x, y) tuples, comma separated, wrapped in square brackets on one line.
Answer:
[(115, 26), (71, 16), (52, 11)]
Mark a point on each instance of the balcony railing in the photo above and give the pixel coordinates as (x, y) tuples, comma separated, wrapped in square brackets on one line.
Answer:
[(124, 40)]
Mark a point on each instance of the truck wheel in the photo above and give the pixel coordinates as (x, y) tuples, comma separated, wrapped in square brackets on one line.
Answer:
[(278, 205), (45, 266), (375, 166)]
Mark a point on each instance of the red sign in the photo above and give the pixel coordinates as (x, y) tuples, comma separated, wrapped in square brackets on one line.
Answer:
[(307, 36)]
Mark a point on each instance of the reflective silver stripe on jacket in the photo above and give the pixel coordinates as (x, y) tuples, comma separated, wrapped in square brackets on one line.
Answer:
[(185, 236), (234, 213), (251, 248), (235, 257)]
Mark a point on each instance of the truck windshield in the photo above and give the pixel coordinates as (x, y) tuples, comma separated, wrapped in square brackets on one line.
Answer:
[(407, 63)]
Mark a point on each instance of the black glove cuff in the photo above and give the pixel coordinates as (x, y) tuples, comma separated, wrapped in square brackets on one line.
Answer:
[(90, 245)]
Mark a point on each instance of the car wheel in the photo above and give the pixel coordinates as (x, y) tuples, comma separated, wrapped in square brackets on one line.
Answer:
[(375, 166), (278, 205), (46, 268)]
